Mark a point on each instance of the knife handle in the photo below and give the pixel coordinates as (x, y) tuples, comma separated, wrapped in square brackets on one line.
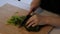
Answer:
[(33, 10)]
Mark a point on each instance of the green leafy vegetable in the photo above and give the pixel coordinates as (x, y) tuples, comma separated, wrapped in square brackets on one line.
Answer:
[(16, 20)]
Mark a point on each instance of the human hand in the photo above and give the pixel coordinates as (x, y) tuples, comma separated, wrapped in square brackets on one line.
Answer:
[(35, 20)]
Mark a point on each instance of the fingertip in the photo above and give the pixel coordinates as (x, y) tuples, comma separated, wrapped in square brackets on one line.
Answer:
[(34, 25)]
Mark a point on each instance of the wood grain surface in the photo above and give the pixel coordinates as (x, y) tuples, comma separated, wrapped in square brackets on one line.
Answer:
[(6, 12)]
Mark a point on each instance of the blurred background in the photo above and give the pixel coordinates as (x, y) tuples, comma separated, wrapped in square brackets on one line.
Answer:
[(22, 3)]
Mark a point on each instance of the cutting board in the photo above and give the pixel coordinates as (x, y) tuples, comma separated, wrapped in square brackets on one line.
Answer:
[(6, 12)]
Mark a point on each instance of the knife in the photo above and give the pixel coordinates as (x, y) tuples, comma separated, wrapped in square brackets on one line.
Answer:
[(26, 19)]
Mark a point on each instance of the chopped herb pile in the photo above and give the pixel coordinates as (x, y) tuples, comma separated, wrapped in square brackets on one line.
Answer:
[(16, 20)]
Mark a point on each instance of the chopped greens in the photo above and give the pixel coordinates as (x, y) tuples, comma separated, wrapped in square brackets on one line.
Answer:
[(16, 20)]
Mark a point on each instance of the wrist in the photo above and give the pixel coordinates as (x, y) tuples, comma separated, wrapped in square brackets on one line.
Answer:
[(45, 20), (48, 19)]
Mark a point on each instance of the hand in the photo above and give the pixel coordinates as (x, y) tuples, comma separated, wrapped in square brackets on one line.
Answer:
[(35, 20)]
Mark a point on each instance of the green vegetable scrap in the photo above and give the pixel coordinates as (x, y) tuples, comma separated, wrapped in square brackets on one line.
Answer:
[(16, 20)]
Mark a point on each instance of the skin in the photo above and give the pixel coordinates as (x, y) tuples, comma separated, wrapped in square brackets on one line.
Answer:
[(37, 19)]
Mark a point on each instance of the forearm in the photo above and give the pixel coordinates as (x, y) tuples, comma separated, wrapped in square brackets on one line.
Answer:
[(34, 5), (35, 2), (53, 20)]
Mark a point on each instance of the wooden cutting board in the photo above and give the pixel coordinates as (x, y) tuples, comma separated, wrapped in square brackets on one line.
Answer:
[(6, 12)]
